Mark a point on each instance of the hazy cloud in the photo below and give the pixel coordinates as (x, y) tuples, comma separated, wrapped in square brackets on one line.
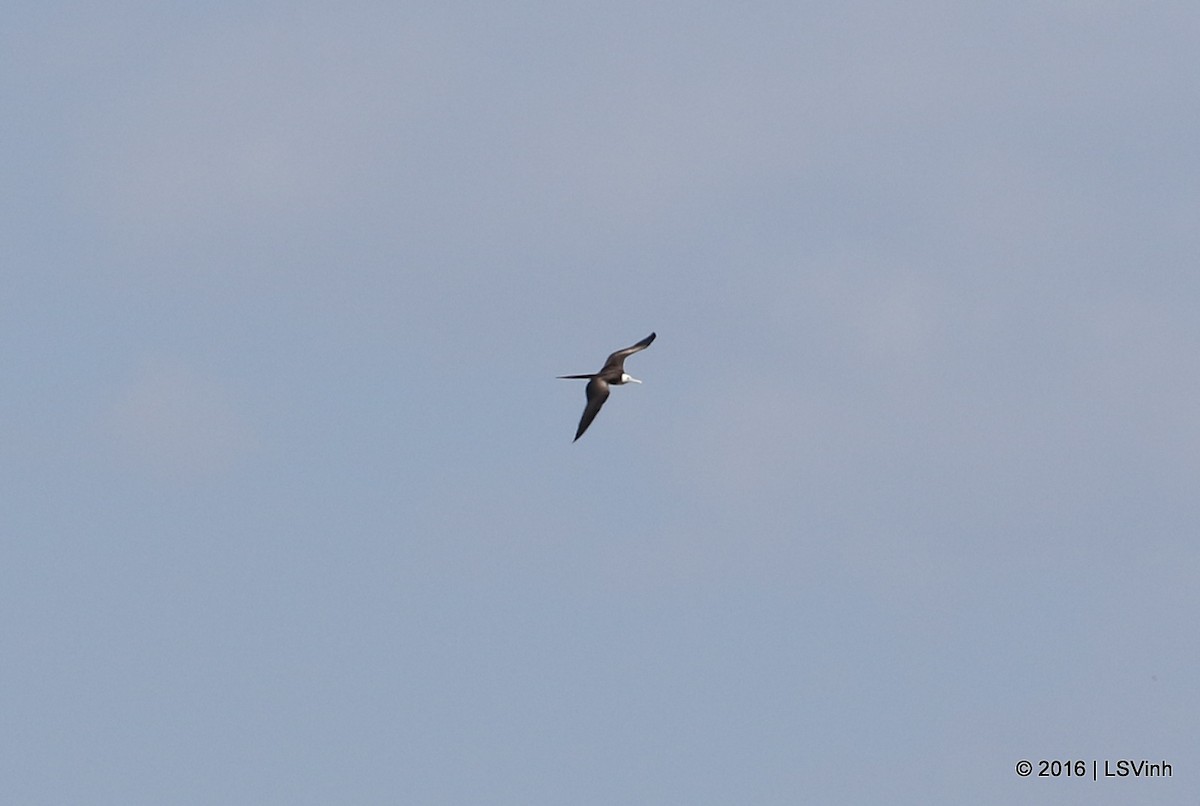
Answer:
[(171, 418)]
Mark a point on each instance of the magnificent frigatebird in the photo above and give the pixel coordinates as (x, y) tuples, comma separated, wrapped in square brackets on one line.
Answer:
[(612, 374)]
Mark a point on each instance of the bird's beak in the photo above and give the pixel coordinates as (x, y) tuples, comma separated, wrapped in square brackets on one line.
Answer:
[(634, 380)]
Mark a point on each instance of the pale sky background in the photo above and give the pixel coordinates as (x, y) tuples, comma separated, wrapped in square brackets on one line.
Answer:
[(291, 511)]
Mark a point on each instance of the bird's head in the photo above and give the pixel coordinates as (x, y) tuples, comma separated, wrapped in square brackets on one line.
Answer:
[(627, 378)]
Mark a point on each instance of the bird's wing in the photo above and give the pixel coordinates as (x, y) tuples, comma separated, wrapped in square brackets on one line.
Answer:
[(597, 393), (617, 359)]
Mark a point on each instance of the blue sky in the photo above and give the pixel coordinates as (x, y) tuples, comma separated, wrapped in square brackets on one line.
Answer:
[(909, 494)]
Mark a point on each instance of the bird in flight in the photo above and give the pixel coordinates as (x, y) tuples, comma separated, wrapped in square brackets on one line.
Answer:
[(612, 374)]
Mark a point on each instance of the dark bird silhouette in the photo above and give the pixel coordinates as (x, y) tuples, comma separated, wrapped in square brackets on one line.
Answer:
[(612, 374)]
